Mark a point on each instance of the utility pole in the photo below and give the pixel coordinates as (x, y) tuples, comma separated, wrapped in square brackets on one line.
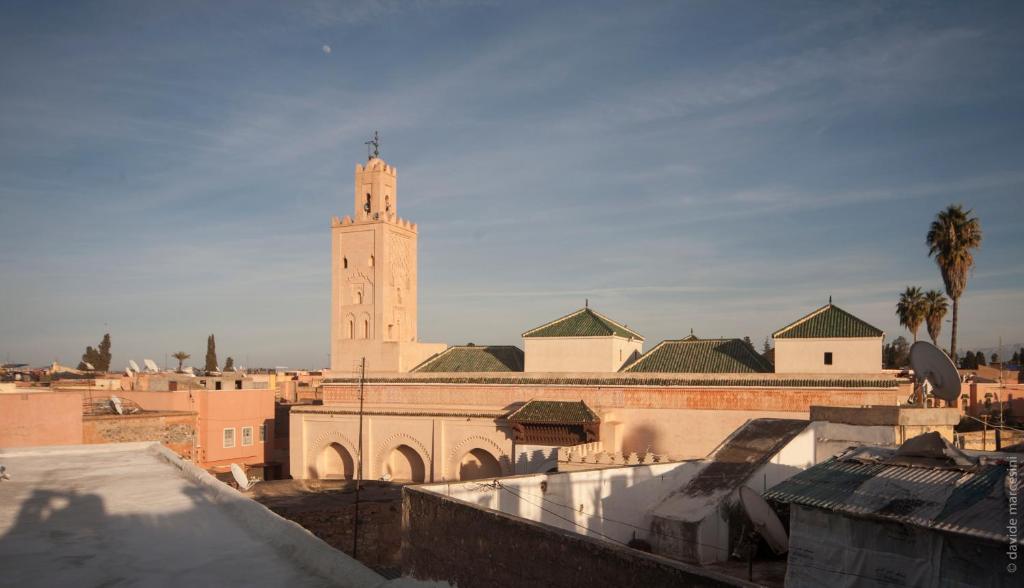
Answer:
[(359, 459)]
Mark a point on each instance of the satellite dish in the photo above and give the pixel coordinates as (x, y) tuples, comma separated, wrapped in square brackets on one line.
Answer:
[(243, 481), (115, 403), (766, 522), (188, 370), (150, 365), (88, 366), (932, 365), (133, 365), (128, 372)]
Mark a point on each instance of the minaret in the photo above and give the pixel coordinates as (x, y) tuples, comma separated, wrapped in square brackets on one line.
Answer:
[(373, 285)]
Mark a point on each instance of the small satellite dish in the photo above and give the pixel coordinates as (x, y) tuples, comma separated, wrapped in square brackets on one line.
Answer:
[(133, 365), (243, 481), (128, 372), (932, 365), (115, 403), (766, 522), (89, 366), (188, 370), (150, 365)]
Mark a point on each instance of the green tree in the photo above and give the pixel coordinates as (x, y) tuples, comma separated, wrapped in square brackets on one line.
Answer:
[(181, 356), (766, 346), (911, 309), (936, 307), (211, 354), (896, 355), (229, 364), (994, 359), (952, 236), (979, 359), (99, 359)]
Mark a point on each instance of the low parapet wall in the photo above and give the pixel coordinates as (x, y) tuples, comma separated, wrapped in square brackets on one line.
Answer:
[(458, 542)]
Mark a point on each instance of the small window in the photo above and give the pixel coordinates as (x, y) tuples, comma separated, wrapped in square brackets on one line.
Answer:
[(246, 435), (366, 329), (263, 433), (217, 385), (387, 203), (172, 386), (359, 297), (229, 438), (344, 262), (828, 358), (371, 261), (350, 329), (366, 207), (238, 384)]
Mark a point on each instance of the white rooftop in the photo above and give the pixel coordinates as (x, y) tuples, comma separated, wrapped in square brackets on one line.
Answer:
[(134, 514)]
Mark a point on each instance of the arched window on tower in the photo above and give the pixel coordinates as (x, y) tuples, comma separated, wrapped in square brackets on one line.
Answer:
[(366, 207), (351, 329), (371, 261), (366, 328), (359, 297), (391, 331), (387, 203), (344, 262)]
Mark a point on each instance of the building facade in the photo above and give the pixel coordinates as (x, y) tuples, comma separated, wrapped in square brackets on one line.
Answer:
[(828, 341)]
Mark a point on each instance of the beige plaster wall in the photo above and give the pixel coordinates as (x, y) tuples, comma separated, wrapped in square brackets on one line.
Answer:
[(849, 356), (578, 354)]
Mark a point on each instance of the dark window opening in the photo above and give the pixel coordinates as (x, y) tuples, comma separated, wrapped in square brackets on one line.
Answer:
[(172, 386), (366, 206), (217, 385), (238, 384), (344, 262), (828, 358)]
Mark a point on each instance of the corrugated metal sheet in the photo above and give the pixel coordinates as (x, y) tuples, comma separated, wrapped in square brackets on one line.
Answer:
[(953, 500)]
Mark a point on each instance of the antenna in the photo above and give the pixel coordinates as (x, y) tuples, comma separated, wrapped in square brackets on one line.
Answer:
[(150, 365), (133, 365), (932, 366), (243, 481), (115, 403), (766, 524)]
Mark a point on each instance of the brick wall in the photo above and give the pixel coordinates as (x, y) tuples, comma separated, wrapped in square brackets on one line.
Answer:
[(176, 430), (445, 539), (380, 530)]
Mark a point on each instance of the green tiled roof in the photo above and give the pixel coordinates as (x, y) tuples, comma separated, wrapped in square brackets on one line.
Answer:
[(701, 356), (583, 323), (827, 322), (554, 412), (473, 358)]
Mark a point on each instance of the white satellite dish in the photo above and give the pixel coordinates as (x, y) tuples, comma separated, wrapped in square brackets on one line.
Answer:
[(133, 365), (932, 365), (88, 366), (150, 365), (128, 372), (115, 403), (243, 481), (766, 522), (188, 370)]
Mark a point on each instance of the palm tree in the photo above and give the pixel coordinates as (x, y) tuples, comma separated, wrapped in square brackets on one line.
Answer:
[(911, 309), (951, 237), (181, 356), (936, 306)]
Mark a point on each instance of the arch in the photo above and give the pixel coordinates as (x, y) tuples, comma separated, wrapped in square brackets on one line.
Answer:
[(404, 464), (366, 328), (472, 442), (371, 260), (350, 324), (334, 462), (344, 262), (323, 442), (386, 447), (359, 296), (478, 463)]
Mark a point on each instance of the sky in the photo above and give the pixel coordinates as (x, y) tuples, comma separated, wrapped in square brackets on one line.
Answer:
[(169, 169)]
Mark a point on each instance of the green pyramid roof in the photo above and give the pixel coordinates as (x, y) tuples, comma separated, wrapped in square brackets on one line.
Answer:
[(701, 356), (828, 322), (475, 358), (585, 322)]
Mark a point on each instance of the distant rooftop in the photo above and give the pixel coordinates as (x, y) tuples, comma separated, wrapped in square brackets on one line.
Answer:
[(828, 322), (699, 356), (136, 514), (585, 322), (475, 358), (553, 412)]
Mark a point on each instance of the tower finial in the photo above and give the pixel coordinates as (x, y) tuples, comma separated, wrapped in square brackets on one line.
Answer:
[(586, 303), (375, 143), (830, 300)]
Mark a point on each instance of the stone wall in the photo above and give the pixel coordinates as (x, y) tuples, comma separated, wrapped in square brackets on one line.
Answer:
[(175, 430), (453, 541)]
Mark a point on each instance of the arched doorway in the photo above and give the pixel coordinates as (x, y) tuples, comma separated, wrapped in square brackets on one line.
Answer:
[(478, 463), (335, 463), (405, 465)]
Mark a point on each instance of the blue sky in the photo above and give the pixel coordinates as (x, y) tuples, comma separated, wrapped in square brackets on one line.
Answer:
[(168, 170)]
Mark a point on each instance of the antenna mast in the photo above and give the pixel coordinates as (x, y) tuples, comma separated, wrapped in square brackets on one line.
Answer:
[(375, 144)]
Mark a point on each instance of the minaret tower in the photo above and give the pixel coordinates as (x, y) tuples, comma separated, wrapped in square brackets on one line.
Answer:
[(373, 278)]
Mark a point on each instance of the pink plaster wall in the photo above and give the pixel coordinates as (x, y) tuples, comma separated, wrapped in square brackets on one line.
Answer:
[(40, 418)]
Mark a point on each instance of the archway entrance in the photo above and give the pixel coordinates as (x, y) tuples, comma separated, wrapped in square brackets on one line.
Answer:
[(405, 465), (478, 463), (335, 463)]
